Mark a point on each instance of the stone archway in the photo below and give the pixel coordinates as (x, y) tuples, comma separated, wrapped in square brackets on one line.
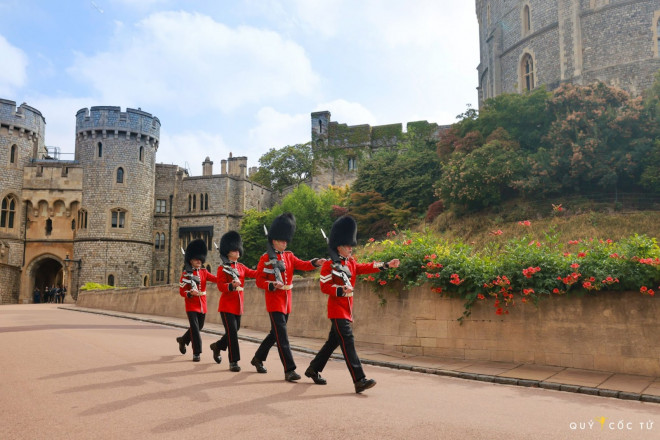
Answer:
[(46, 270)]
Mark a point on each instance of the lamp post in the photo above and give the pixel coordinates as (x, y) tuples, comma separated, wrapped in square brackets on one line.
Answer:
[(67, 264)]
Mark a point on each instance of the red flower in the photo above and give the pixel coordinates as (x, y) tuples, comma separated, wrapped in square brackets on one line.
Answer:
[(481, 296), (643, 289), (575, 265), (581, 254), (525, 223), (371, 240), (555, 290), (382, 282)]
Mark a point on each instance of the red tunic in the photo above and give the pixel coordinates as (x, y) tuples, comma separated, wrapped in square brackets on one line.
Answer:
[(196, 303), (231, 301), (279, 300), (341, 307)]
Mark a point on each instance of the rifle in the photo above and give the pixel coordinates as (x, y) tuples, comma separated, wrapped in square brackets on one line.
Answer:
[(278, 265), (338, 269), (226, 266), (192, 278)]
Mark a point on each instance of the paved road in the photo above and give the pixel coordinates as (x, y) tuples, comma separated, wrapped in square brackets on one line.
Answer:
[(71, 375)]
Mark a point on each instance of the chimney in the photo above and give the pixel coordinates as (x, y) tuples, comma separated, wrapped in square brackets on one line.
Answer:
[(207, 167)]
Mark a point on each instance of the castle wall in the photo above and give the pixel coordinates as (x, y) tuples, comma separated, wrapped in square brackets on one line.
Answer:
[(9, 283), (582, 41)]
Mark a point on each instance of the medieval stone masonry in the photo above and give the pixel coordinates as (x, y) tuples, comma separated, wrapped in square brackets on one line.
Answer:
[(111, 215), (526, 43)]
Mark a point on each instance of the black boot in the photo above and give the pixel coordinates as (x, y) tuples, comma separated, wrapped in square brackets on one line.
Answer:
[(182, 345), (315, 376), (233, 366), (217, 357), (291, 376), (364, 384), (259, 365)]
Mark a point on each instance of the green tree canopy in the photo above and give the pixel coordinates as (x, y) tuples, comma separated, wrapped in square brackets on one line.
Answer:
[(280, 168), (403, 176), (312, 212)]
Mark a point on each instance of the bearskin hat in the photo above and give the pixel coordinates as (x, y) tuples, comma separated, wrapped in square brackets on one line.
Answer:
[(343, 232), (231, 241), (196, 249), (282, 228)]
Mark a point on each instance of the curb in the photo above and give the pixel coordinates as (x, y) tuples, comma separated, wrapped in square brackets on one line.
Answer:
[(502, 380)]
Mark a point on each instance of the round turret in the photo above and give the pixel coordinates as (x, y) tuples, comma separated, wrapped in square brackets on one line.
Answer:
[(118, 153)]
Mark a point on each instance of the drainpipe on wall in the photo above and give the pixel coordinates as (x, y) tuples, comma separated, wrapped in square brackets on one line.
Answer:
[(25, 226)]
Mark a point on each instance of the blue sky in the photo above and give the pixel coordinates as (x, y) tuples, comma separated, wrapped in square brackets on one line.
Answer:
[(239, 76)]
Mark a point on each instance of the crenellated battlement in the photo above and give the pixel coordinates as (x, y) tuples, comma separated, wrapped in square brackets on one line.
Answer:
[(110, 120), (24, 119)]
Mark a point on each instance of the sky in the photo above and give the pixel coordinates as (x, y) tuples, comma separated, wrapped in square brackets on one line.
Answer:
[(239, 76)]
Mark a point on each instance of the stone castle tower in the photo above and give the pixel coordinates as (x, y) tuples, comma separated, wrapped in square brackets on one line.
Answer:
[(111, 215), (526, 43), (114, 231)]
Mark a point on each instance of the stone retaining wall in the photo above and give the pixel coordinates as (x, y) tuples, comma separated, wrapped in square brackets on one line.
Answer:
[(611, 331)]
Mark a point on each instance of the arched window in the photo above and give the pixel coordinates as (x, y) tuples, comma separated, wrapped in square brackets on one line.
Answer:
[(82, 219), (8, 212), (49, 226), (120, 175), (111, 280), (527, 72), (145, 282), (141, 155), (12, 154), (118, 218), (526, 20), (352, 164), (157, 241), (194, 202), (189, 202), (99, 149)]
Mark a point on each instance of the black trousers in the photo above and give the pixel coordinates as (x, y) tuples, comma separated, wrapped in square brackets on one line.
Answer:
[(341, 334), (193, 334), (277, 335), (229, 340)]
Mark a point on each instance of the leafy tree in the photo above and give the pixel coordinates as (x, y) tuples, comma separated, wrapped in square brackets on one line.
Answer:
[(312, 212), (375, 216), (403, 176), (280, 168), (482, 177)]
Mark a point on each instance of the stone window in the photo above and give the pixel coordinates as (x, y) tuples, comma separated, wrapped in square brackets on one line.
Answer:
[(159, 242), (145, 281), (161, 206), (8, 212), (527, 73), (12, 154), (203, 202), (99, 149), (118, 218), (120, 175), (49, 226), (526, 20), (352, 164), (141, 155), (160, 275), (82, 219), (111, 280)]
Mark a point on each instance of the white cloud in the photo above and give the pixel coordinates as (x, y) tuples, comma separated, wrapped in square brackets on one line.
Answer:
[(60, 115), (189, 60), (346, 112), (13, 73), (190, 149), (276, 130)]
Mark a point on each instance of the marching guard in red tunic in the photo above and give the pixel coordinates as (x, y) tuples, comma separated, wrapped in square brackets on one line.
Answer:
[(275, 276), (231, 280), (192, 286), (337, 281)]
